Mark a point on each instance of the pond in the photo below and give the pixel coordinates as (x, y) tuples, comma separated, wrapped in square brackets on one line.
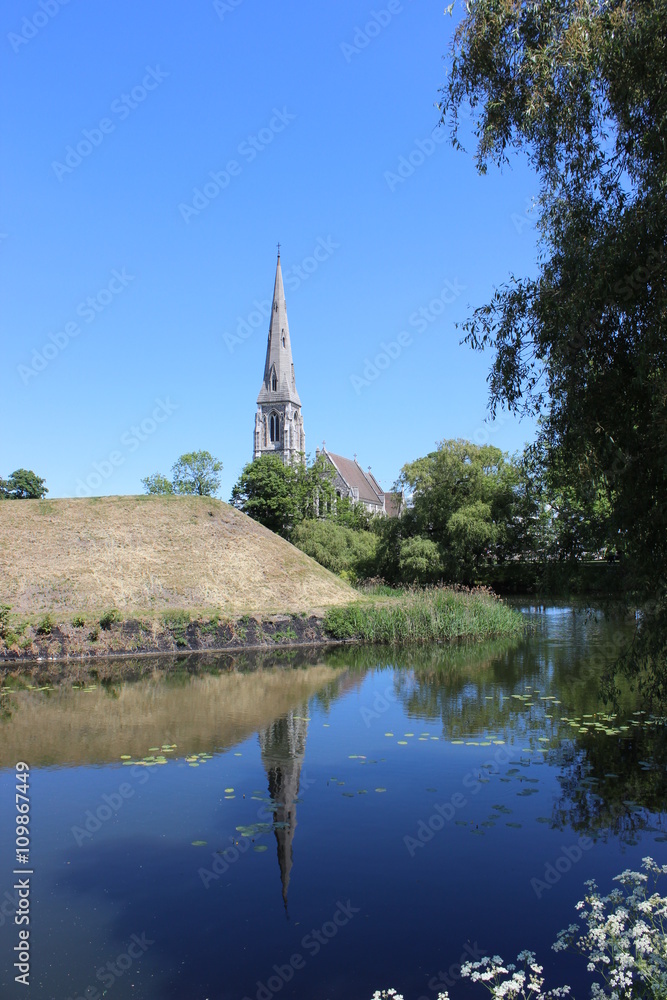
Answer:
[(322, 825)]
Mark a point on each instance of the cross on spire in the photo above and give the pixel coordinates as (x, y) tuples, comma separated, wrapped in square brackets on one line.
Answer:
[(279, 249)]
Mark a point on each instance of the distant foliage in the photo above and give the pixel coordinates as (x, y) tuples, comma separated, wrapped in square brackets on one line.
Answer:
[(23, 484), (196, 473), (339, 549), (281, 496), (420, 561), (157, 485)]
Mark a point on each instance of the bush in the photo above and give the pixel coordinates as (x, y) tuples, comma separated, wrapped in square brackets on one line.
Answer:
[(4, 620), (78, 621), (339, 549), (177, 622), (110, 617), (46, 625)]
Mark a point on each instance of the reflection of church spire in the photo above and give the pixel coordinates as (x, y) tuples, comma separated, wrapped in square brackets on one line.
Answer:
[(283, 746)]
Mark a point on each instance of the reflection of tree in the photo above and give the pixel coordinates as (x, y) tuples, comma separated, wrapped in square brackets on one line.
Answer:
[(613, 785), (283, 745)]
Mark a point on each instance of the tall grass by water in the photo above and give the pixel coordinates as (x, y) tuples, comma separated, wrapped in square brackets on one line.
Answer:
[(435, 614)]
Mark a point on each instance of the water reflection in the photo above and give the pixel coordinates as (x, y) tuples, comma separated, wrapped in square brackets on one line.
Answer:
[(93, 713), (283, 745), (516, 729)]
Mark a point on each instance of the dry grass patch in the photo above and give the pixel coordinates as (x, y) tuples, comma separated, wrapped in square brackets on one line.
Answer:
[(146, 554)]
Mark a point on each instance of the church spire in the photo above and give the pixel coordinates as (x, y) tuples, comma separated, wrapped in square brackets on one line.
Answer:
[(278, 422), (283, 747)]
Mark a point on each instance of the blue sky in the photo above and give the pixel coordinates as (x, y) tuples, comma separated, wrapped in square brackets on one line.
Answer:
[(132, 306)]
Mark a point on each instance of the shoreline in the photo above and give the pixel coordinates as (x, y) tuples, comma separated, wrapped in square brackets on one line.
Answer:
[(437, 615), (139, 638)]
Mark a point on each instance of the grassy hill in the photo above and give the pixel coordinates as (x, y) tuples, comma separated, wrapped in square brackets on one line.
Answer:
[(146, 554)]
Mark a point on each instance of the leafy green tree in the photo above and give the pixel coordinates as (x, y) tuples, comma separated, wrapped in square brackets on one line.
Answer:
[(578, 87), (468, 500), (280, 496), (420, 561), (157, 485), (341, 550), (197, 473), (23, 484), (266, 492)]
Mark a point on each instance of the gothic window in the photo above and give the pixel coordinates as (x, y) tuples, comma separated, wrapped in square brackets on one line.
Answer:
[(274, 382), (283, 341), (274, 427)]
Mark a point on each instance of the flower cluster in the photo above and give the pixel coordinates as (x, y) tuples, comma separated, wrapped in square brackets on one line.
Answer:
[(624, 938), (505, 980)]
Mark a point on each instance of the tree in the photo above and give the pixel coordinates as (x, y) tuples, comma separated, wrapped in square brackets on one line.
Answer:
[(195, 473), (579, 88), (266, 492), (420, 561), (467, 500), (157, 484), (23, 484), (280, 496)]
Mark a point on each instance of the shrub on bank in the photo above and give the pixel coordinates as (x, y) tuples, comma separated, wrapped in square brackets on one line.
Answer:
[(431, 615)]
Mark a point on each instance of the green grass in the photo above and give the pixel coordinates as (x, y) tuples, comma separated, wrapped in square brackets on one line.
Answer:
[(431, 615)]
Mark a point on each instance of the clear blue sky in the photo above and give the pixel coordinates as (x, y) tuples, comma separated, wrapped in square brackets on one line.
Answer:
[(303, 114)]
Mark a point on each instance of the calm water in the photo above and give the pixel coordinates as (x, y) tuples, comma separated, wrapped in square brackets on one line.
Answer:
[(324, 829)]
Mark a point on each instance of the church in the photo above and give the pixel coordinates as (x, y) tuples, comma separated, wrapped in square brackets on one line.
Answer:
[(279, 425)]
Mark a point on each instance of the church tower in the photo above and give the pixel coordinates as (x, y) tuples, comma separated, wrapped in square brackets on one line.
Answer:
[(278, 421)]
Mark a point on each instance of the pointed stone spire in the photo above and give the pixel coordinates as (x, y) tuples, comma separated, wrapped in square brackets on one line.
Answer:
[(279, 351), (278, 421)]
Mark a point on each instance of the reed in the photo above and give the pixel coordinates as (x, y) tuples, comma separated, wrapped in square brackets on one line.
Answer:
[(435, 614)]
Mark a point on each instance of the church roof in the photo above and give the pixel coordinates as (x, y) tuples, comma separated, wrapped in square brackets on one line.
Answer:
[(393, 503), (356, 478), (279, 352)]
